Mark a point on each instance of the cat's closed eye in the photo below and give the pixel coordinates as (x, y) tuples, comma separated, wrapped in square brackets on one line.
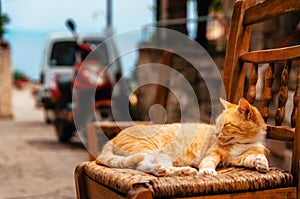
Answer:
[(230, 124)]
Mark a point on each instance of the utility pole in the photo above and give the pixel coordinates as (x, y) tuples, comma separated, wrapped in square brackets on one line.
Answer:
[(0, 9), (108, 14), (109, 8)]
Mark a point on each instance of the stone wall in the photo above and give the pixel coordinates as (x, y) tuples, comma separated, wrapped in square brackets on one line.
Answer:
[(5, 83)]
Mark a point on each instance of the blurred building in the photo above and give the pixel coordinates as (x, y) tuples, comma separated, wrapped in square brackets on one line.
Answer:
[(5, 83), (212, 30)]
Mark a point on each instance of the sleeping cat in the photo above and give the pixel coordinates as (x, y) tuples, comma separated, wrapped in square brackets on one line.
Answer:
[(191, 148)]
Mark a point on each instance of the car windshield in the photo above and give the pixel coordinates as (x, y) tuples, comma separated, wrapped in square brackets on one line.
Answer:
[(63, 53)]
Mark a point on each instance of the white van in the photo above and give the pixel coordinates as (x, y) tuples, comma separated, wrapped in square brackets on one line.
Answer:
[(59, 57)]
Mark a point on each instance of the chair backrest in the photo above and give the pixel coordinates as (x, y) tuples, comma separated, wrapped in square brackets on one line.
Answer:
[(242, 65)]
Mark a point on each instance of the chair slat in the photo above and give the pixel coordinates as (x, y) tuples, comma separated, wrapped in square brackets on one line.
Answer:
[(296, 100), (283, 94), (281, 133), (242, 38), (267, 10), (252, 86), (240, 85), (267, 94), (274, 55)]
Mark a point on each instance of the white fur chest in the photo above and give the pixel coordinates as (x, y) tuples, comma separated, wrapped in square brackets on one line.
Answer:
[(238, 149)]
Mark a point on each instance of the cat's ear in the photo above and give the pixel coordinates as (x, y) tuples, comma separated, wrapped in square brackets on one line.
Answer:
[(225, 103), (244, 107)]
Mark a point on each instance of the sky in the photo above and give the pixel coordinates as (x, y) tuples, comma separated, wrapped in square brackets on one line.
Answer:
[(31, 21), (41, 15)]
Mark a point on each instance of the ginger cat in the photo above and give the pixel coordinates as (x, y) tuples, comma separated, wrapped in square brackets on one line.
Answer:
[(237, 139)]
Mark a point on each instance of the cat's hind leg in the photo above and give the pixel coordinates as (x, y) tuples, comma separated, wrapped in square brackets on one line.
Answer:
[(151, 165), (161, 165), (166, 163)]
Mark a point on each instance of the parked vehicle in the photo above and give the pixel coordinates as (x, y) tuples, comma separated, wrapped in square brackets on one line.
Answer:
[(93, 91), (60, 57), (66, 68), (61, 101)]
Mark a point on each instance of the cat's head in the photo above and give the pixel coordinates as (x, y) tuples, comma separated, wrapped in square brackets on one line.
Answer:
[(240, 123)]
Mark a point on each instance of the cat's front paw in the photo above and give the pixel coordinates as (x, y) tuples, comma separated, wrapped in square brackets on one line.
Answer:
[(208, 171), (181, 171), (261, 163)]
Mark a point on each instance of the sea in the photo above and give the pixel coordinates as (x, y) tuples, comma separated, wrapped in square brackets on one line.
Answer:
[(27, 48), (26, 51)]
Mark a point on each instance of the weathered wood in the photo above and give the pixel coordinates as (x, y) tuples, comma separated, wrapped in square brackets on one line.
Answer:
[(79, 182), (92, 141), (296, 100), (280, 133), (282, 193), (139, 192), (240, 42), (271, 55), (95, 190), (267, 94), (252, 83), (283, 94), (237, 16), (268, 9), (296, 155), (241, 85), (296, 175)]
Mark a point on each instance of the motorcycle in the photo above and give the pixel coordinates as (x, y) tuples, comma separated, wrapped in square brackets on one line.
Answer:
[(83, 96), (61, 100), (92, 92)]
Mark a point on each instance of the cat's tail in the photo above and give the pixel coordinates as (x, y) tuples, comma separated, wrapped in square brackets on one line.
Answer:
[(108, 158)]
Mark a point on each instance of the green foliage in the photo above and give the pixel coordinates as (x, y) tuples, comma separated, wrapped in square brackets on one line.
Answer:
[(19, 75), (217, 5), (4, 19)]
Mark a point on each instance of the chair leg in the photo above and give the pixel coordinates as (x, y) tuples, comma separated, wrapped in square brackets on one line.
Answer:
[(139, 192), (79, 182)]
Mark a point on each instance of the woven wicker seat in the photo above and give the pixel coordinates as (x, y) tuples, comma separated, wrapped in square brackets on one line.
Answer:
[(228, 180), (96, 181)]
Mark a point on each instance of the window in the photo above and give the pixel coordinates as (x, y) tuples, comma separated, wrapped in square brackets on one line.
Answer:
[(63, 53)]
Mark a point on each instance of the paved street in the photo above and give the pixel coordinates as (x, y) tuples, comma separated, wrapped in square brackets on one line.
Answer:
[(32, 163)]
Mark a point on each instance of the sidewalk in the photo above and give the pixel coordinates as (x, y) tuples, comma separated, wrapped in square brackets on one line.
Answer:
[(33, 164)]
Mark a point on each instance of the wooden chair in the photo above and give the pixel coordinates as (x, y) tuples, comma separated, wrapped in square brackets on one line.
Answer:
[(95, 181)]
